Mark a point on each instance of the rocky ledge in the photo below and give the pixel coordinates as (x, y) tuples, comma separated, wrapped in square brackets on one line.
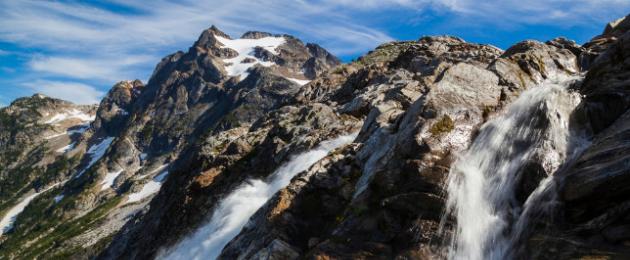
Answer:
[(159, 157)]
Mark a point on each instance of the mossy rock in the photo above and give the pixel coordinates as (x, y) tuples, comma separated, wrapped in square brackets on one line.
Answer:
[(442, 126)]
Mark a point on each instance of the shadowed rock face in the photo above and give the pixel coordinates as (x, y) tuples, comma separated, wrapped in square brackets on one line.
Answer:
[(199, 128), (606, 86)]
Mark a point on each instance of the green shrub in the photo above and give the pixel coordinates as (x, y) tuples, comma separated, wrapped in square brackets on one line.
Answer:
[(442, 126)]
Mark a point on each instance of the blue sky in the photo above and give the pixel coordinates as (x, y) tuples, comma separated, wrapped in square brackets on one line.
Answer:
[(76, 50)]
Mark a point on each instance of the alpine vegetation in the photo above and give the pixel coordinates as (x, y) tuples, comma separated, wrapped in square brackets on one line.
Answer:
[(239, 147)]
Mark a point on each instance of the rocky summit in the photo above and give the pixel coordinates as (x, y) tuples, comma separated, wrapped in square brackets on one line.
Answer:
[(266, 147)]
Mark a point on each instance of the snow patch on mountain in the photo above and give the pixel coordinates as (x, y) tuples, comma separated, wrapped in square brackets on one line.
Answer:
[(70, 114), (149, 188), (58, 198), (108, 182), (157, 169), (79, 130), (96, 152), (55, 135), (245, 48), (300, 82), (65, 148)]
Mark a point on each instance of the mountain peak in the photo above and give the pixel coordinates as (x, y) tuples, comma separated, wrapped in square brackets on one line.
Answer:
[(37, 99), (39, 95), (301, 157), (618, 27), (216, 31), (256, 35), (207, 38)]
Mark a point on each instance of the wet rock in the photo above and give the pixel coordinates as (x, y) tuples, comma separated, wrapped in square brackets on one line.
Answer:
[(528, 63), (598, 177)]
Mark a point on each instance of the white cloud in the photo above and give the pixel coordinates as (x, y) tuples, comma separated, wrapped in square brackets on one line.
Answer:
[(105, 68), (159, 24), (88, 43), (79, 41), (71, 91), (560, 13), (500, 12)]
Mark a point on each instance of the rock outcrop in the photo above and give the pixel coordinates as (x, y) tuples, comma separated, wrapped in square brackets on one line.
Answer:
[(121, 160), (590, 218), (35, 134), (421, 106), (159, 157)]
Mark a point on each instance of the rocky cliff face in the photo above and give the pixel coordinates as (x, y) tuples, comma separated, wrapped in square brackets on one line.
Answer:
[(218, 88), (159, 157), (35, 134), (591, 218)]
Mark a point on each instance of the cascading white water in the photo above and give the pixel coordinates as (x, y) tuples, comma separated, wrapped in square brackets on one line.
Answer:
[(235, 209), (482, 181)]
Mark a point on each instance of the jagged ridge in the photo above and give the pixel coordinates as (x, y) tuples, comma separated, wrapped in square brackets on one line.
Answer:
[(198, 132)]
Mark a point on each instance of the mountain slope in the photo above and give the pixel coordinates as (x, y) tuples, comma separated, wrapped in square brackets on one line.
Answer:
[(139, 130), (160, 159)]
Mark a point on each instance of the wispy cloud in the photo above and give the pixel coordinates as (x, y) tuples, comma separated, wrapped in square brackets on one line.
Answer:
[(7, 70), (85, 42), (71, 91), (98, 68), (551, 12), (123, 39), (156, 24)]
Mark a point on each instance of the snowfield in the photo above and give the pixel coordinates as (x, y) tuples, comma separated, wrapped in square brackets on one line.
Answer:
[(80, 130), (58, 198), (149, 188), (300, 82), (65, 148), (110, 177), (96, 152), (245, 49), (70, 114)]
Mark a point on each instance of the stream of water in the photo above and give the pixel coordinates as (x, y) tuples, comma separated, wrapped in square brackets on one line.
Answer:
[(233, 212), (484, 181)]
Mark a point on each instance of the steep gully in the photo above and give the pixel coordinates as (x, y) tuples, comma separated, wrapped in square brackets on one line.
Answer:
[(483, 184), (233, 212)]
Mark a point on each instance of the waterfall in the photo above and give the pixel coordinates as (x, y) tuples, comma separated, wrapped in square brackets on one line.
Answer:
[(233, 212), (484, 180)]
